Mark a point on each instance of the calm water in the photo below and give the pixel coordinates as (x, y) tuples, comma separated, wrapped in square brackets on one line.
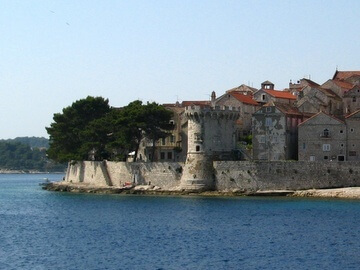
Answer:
[(50, 230)]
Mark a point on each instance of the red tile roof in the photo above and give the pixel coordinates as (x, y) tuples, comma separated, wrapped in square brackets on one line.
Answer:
[(343, 75), (247, 99), (287, 109), (343, 84), (280, 94), (196, 103)]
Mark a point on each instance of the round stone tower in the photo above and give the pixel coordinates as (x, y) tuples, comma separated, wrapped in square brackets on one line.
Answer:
[(211, 136)]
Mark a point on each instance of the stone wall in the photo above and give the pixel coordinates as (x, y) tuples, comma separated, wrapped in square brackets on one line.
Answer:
[(107, 173), (228, 175), (291, 175)]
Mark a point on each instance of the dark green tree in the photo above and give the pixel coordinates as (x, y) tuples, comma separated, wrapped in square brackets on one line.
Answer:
[(69, 129), (89, 127)]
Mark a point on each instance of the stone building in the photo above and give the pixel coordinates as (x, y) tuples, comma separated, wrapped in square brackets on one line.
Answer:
[(275, 132), (338, 87), (174, 146), (243, 89), (211, 136), (351, 100), (353, 136), (313, 99), (296, 88), (322, 138), (352, 77), (264, 96), (246, 106)]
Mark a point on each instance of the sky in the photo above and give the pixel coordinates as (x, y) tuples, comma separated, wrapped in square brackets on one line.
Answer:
[(53, 53)]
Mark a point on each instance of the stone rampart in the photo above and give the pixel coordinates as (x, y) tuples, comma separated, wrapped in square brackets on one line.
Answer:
[(117, 174), (228, 175), (289, 175)]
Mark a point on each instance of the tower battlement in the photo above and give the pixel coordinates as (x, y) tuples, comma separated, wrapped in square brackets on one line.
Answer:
[(211, 136), (213, 112)]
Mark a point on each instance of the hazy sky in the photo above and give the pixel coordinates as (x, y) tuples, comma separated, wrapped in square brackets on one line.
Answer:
[(55, 52)]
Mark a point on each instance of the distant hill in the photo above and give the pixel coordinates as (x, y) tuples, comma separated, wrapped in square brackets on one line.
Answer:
[(27, 154), (33, 142)]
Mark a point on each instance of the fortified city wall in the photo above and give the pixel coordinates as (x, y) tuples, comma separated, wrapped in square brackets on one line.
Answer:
[(117, 174), (229, 175)]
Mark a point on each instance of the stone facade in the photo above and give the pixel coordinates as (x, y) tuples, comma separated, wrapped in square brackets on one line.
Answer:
[(245, 104), (285, 175), (264, 96), (275, 132), (313, 99), (118, 174), (322, 138), (211, 136), (353, 136), (351, 100), (226, 175)]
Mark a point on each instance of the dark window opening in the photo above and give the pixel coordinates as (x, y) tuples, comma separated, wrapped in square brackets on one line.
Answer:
[(197, 148)]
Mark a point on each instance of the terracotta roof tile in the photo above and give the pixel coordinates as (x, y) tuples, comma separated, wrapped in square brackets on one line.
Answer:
[(280, 94), (247, 99), (343, 84), (287, 109), (343, 75)]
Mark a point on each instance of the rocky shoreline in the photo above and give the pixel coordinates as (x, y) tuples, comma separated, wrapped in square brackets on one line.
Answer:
[(344, 193)]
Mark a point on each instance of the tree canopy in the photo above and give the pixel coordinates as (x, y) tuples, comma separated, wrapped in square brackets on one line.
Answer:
[(19, 156), (91, 129)]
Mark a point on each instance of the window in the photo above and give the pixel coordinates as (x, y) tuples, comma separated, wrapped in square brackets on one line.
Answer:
[(341, 158), (197, 137), (262, 139), (163, 141), (268, 122), (263, 97), (326, 157), (342, 145), (172, 138), (162, 155), (326, 133), (304, 146), (268, 109), (341, 131), (197, 148), (326, 147), (169, 155), (312, 158), (352, 153), (354, 99), (351, 130)]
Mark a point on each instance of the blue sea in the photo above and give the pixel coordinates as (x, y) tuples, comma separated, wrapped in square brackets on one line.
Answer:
[(50, 230)]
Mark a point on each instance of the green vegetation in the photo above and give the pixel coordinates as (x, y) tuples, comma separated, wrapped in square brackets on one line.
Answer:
[(90, 129), (18, 156), (33, 142)]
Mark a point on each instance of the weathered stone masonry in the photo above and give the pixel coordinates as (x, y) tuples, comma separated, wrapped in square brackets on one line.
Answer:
[(228, 175)]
